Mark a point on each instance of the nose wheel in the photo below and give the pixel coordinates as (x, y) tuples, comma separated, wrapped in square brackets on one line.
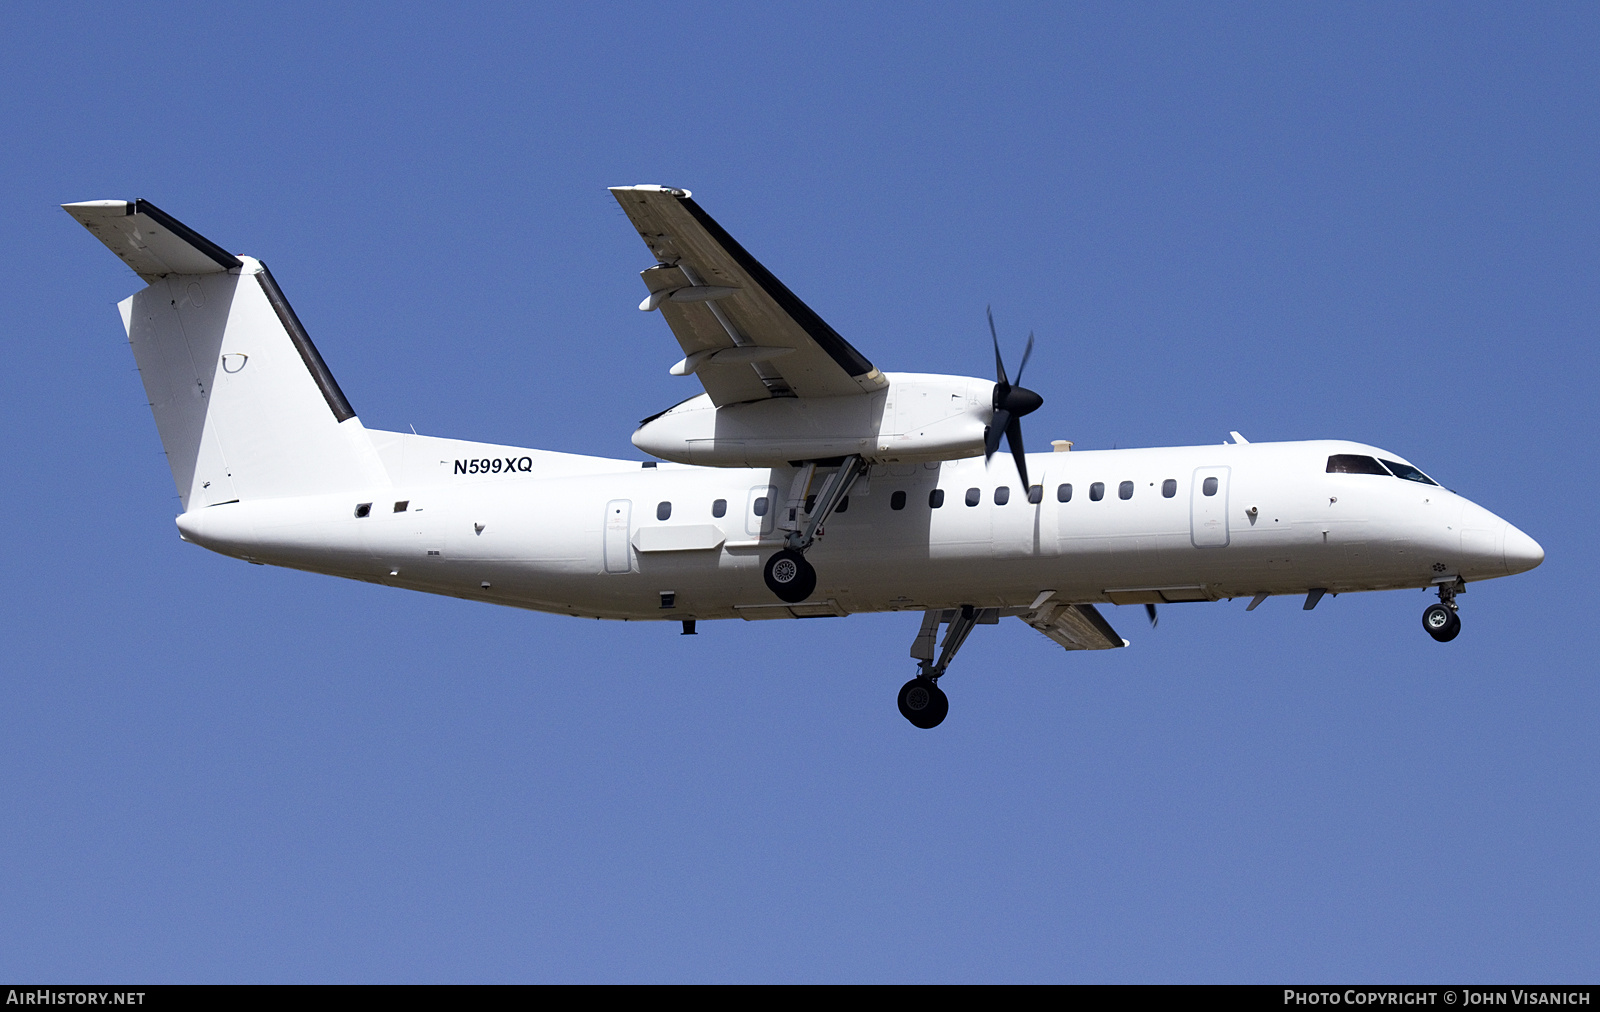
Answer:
[(1442, 620)]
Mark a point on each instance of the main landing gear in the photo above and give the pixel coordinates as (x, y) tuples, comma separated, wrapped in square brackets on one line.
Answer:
[(921, 700), (1442, 620), (790, 576), (787, 574)]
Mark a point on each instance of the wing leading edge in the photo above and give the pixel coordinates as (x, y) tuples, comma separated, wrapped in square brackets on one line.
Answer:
[(743, 332)]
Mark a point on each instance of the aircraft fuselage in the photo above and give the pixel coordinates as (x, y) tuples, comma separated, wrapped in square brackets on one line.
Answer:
[(604, 538)]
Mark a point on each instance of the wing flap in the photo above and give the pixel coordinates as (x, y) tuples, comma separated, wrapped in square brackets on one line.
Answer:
[(697, 330), (149, 240)]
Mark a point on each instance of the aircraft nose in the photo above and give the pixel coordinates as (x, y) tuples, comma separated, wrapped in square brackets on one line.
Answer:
[(1522, 552)]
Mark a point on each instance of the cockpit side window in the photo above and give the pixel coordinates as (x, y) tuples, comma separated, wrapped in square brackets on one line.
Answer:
[(1408, 472), (1354, 463)]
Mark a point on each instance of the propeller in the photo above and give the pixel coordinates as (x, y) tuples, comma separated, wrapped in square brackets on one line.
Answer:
[(1150, 610), (1011, 402)]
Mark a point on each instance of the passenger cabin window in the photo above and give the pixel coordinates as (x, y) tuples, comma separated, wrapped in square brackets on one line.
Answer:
[(1209, 486), (974, 496), (1036, 494), (1002, 495), (936, 498), (1097, 491), (1354, 463), (1063, 493), (1408, 472), (1169, 488), (719, 508), (761, 506), (663, 510), (1125, 490), (897, 501)]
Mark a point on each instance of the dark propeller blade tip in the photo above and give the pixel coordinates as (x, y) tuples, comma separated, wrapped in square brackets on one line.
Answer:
[(1150, 610), (1027, 353), (999, 366)]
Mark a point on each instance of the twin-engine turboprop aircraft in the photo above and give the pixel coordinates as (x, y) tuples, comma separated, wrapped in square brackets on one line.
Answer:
[(797, 435)]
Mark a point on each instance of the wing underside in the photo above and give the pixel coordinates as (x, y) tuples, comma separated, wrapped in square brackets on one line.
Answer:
[(1074, 626), (742, 331)]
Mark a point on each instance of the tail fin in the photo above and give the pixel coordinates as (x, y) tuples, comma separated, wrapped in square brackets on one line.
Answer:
[(245, 406)]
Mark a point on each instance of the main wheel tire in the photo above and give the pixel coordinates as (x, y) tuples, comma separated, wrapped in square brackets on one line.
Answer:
[(923, 703), (1442, 622), (789, 576)]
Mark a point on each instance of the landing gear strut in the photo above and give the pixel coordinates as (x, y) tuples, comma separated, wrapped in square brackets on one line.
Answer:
[(1442, 620), (787, 574), (921, 700)]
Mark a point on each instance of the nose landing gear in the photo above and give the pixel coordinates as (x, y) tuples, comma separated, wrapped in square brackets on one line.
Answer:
[(1442, 620)]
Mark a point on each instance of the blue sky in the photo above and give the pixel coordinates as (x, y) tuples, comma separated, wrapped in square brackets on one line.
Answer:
[(1375, 222)]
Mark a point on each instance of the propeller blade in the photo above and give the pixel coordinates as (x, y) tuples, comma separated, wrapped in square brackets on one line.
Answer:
[(999, 366), (1026, 353), (1014, 440), (997, 428), (1150, 610)]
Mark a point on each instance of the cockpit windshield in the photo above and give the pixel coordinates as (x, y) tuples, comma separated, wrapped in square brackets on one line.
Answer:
[(1408, 472), (1356, 463)]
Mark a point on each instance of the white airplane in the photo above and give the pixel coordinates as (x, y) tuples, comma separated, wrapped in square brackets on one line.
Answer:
[(802, 483)]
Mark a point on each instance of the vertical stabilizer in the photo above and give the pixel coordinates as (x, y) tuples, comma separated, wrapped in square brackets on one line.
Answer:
[(245, 405)]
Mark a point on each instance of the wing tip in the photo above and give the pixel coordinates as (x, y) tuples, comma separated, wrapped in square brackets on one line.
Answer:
[(652, 188), (88, 210)]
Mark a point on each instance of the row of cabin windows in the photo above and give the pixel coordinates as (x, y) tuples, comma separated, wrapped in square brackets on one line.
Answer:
[(719, 508), (1097, 492), (1002, 496), (1339, 463)]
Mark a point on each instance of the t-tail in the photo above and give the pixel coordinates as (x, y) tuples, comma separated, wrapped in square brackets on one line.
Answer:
[(245, 405)]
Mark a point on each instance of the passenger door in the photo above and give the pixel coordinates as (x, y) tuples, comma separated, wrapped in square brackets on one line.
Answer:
[(619, 552), (1208, 508)]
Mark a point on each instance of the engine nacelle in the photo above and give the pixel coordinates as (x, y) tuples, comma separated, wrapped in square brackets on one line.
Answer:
[(918, 417)]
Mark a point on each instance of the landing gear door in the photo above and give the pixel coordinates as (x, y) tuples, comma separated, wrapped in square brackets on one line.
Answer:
[(1208, 508), (619, 552), (761, 512)]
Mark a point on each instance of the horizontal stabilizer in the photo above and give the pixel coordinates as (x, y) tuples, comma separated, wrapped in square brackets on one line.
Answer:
[(149, 240)]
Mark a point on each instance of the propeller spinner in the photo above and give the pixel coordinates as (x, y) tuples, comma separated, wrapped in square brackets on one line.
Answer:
[(1011, 402)]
